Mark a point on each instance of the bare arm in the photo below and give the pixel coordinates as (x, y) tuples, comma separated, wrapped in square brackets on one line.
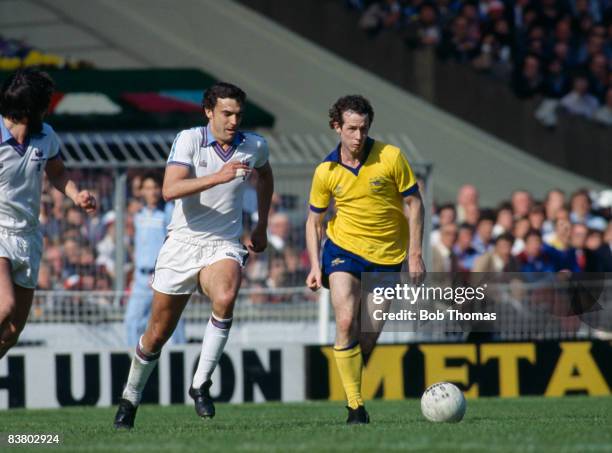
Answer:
[(179, 182), (56, 172), (314, 233), (415, 214), (265, 189)]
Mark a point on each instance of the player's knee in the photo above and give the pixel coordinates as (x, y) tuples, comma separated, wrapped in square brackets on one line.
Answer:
[(223, 304)]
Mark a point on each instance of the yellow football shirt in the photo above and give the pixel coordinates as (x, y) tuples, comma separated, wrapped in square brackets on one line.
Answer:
[(369, 219)]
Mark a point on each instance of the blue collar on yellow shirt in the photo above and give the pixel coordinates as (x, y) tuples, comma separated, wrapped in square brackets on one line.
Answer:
[(334, 156)]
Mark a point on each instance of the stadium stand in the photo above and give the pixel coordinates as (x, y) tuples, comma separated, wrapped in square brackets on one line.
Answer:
[(539, 48), (300, 94)]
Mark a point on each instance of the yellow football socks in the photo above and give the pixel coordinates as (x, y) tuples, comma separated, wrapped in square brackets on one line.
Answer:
[(350, 366)]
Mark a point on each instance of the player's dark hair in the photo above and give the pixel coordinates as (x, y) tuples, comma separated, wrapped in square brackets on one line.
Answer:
[(222, 90), (26, 94), (355, 103)]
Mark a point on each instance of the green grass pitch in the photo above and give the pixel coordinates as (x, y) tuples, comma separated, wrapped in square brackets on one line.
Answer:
[(571, 424)]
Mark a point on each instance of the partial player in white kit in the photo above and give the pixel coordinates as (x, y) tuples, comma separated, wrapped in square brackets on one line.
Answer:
[(205, 174), (27, 147)]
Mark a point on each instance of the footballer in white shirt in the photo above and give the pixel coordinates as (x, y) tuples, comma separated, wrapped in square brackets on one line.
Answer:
[(206, 175), (27, 147)]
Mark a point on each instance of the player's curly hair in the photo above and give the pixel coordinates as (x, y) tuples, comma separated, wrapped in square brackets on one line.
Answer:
[(222, 90), (26, 94), (353, 102)]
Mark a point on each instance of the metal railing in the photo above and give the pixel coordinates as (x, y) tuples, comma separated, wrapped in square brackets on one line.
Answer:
[(532, 312)]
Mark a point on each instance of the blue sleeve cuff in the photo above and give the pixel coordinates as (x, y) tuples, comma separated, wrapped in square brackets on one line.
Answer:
[(176, 162), (411, 190), (317, 210)]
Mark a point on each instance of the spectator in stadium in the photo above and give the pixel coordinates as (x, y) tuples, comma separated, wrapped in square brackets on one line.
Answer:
[(443, 257), (537, 216), (446, 214), (483, 239), (499, 259), (555, 200), (471, 214), (528, 80), (279, 229), (504, 222), (522, 201), (604, 252), (556, 82), (380, 15), (45, 278), (598, 76), (533, 258), (579, 101), (585, 259), (463, 250), (521, 228), (151, 228), (603, 115), (580, 204), (106, 247), (277, 275), (425, 30), (72, 255), (466, 196), (560, 238), (459, 43), (296, 271)]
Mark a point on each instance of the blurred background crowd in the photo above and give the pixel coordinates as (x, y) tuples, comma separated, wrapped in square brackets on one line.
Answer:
[(570, 232), (563, 231), (79, 250), (559, 50)]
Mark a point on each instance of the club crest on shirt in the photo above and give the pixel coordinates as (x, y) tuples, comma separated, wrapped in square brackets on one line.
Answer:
[(338, 190), (376, 184), (203, 163)]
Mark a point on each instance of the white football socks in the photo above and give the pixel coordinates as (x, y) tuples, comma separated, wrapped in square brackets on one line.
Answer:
[(143, 364), (215, 337)]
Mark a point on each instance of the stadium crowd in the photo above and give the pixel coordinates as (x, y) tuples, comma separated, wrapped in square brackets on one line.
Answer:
[(562, 232), (560, 50), (79, 251)]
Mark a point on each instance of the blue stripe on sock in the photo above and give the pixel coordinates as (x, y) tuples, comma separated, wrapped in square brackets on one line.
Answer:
[(350, 346)]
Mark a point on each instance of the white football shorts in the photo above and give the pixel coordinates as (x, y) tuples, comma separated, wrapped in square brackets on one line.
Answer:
[(180, 261), (24, 251)]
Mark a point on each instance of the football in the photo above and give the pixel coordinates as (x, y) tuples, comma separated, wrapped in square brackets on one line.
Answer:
[(443, 402)]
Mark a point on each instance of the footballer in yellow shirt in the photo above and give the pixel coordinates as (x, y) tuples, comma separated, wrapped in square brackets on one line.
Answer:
[(369, 182)]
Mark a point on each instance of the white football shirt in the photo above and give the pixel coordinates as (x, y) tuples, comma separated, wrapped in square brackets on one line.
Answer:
[(21, 176), (216, 213)]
